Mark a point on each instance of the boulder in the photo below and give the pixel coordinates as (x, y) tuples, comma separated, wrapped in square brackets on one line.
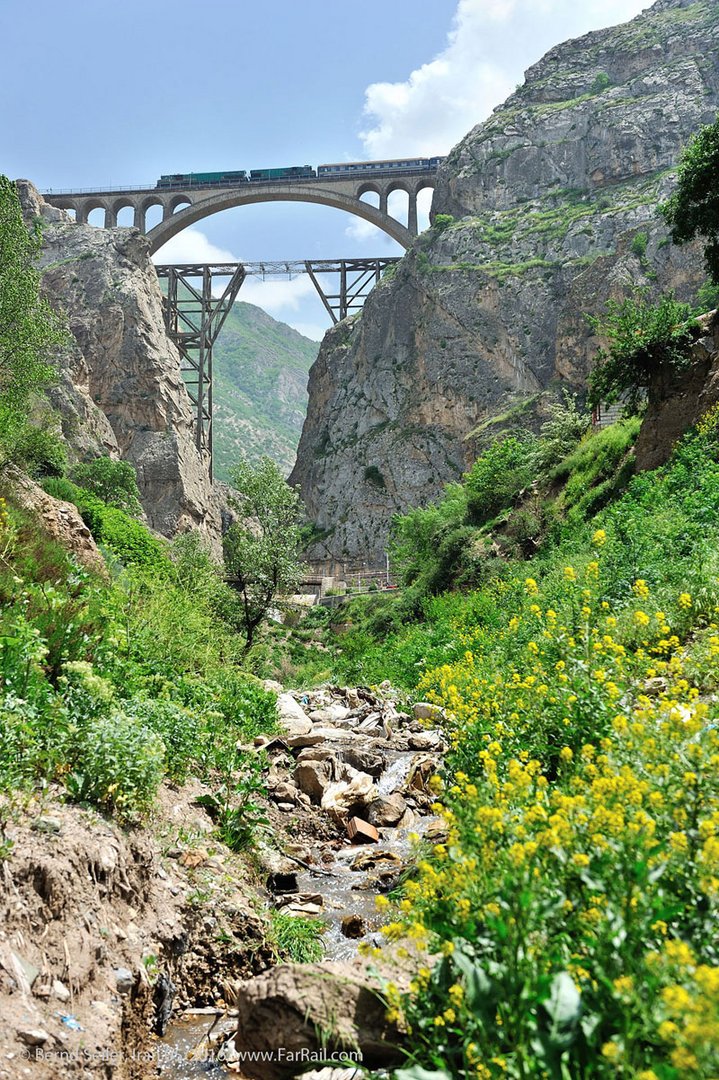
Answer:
[(285, 792), (330, 714), (319, 735), (427, 740), (292, 716), (387, 810), (307, 904), (310, 1012), (361, 832), (342, 798), (313, 777), (425, 710), (377, 859)]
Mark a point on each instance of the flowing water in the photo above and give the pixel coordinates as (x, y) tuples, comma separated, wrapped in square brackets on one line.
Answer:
[(344, 891)]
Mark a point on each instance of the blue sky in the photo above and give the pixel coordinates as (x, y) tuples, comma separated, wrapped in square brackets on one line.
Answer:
[(110, 94)]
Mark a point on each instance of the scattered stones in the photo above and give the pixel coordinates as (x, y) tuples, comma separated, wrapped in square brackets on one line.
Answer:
[(353, 926), (361, 832)]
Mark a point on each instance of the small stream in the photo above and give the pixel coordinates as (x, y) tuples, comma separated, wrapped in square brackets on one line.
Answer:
[(344, 890)]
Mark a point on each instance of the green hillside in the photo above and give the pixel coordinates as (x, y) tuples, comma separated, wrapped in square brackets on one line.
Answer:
[(260, 388)]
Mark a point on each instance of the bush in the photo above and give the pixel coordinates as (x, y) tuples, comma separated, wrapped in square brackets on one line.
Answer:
[(112, 481), (40, 451), (646, 342), (119, 765), (499, 475)]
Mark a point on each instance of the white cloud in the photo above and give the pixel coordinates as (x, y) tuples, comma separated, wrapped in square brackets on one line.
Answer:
[(277, 296), (192, 246), (490, 44), (364, 231)]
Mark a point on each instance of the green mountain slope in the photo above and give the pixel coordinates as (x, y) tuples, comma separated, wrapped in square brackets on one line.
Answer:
[(260, 388)]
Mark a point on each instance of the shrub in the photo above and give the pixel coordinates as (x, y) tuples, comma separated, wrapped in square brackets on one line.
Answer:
[(40, 451), (119, 765), (646, 341), (112, 481), (499, 475)]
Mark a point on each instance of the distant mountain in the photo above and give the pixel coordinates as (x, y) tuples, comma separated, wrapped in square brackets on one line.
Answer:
[(260, 388)]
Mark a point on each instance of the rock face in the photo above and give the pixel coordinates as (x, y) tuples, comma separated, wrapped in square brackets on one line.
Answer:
[(540, 214), (60, 520), (120, 390)]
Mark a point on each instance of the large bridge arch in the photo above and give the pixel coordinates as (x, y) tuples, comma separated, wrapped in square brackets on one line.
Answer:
[(227, 200)]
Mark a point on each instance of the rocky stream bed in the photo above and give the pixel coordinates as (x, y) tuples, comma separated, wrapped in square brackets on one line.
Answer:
[(349, 776), (122, 949)]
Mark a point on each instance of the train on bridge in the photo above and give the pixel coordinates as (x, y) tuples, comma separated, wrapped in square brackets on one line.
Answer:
[(338, 170)]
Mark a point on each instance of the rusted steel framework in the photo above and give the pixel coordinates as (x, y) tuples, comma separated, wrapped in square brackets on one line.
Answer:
[(195, 311), (194, 316)]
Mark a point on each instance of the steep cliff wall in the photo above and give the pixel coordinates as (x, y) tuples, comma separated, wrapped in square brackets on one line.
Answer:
[(553, 204), (120, 390)]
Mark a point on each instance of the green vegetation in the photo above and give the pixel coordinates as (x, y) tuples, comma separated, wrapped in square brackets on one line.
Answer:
[(693, 209), (29, 328), (262, 547), (114, 482), (646, 341), (260, 388), (296, 940), (573, 904), (111, 685)]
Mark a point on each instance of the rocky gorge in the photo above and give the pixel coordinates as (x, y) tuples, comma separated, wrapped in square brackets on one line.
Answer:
[(119, 389), (541, 213)]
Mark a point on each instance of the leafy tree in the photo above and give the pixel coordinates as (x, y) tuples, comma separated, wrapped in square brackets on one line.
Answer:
[(693, 209), (112, 481), (29, 328), (644, 340), (262, 548)]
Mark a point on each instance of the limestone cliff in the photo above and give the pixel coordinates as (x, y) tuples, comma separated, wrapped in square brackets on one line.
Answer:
[(541, 213), (120, 390)]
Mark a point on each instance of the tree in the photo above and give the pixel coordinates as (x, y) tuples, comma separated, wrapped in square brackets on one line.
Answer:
[(262, 548), (693, 209), (29, 328)]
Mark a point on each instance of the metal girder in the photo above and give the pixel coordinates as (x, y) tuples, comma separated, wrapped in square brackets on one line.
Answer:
[(194, 317)]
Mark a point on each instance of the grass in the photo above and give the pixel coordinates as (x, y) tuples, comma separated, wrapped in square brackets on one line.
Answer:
[(295, 939)]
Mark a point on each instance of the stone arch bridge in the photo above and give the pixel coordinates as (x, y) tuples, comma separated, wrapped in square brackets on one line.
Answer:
[(183, 206)]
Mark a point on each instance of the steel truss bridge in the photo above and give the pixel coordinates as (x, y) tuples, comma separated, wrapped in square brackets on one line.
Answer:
[(198, 297)]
